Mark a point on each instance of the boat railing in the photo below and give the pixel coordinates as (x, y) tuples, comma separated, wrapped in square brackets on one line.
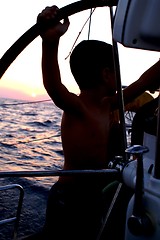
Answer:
[(107, 172), (55, 173), (16, 218)]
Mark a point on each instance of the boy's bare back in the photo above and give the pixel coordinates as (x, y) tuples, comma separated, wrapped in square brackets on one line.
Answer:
[(85, 136)]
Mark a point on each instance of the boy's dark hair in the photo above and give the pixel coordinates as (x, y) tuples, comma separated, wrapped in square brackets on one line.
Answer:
[(87, 60)]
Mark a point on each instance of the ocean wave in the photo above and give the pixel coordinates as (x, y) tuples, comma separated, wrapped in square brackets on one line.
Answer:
[(8, 145), (25, 157), (39, 124), (10, 136), (59, 152), (30, 114)]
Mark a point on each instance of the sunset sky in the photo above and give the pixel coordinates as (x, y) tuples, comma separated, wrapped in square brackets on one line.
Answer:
[(23, 79)]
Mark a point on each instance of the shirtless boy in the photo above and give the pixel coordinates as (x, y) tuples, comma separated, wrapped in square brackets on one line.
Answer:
[(74, 203)]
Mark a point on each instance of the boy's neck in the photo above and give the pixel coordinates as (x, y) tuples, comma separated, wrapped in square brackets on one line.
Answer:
[(94, 95)]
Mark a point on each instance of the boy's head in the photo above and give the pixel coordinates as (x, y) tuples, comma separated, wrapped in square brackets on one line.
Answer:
[(87, 61)]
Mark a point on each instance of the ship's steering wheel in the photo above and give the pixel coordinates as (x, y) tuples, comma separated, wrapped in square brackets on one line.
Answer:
[(11, 54)]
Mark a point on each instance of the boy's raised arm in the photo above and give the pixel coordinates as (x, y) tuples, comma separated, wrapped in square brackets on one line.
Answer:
[(149, 80), (50, 68)]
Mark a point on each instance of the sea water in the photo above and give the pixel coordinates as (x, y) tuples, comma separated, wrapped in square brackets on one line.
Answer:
[(30, 137), (29, 141)]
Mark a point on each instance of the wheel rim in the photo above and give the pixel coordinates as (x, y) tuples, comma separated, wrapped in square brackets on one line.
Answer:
[(11, 54)]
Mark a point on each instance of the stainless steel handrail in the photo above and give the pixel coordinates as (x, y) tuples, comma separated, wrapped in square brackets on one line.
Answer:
[(57, 173), (105, 172), (19, 207)]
